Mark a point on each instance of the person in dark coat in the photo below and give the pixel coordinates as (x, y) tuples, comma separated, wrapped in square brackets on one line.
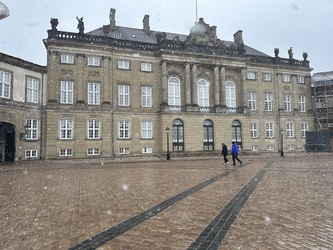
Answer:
[(224, 153), (234, 153)]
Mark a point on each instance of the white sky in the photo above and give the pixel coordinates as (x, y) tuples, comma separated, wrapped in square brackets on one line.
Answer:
[(267, 24)]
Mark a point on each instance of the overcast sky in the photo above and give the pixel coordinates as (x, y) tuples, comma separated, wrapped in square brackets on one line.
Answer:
[(267, 24)]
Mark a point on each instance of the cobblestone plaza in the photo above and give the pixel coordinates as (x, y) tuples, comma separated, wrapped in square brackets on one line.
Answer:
[(189, 203)]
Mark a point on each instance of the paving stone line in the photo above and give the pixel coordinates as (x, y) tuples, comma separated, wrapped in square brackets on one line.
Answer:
[(212, 237), (112, 232)]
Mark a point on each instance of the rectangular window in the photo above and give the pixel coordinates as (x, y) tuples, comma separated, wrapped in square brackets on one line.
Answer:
[(124, 151), (68, 59), (32, 90), (255, 148), (123, 64), (250, 75), (300, 79), (5, 84), (269, 130), (123, 95), (268, 102), (146, 67), (147, 150), (31, 154), (93, 151), (94, 92), (290, 130), (94, 61), (146, 97), (301, 103), (94, 127), (287, 103), (304, 128), (66, 92), (254, 130), (291, 147), (124, 130), (252, 101), (147, 129), (286, 78), (65, 152), (32, 129), (267, 77), (270, 147), (66, 129)]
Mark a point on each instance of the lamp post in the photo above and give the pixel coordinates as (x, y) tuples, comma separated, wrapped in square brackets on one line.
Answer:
[(281, 150), (168, 152)]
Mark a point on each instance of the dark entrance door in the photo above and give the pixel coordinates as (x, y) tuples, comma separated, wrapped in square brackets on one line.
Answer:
[(7, 141)]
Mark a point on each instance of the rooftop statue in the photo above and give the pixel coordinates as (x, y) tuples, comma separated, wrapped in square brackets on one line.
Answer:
[(54, 23), (80, 25)]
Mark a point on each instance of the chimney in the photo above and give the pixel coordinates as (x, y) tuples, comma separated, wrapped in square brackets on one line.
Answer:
[(238, 37), (112, 18), (146, 23)]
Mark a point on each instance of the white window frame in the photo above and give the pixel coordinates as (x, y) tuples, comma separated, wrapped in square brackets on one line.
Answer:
[(174, 91), (66, 92), (65, 152), (301, 103), (5, 84), (254, 130), (267, 77), (32, 129), (255, 147), (124, 95), (32, 89), (250, 75), (124, 151), (287, 102), (66, 129), (252, 101), (94, 61), (146, 67), (268, 98), (203, 93), (67, 59), (270, 147), (93, 151), (146, 96), (304, 128), (93, 129), (31, 153), (300, 79), (123, 64), (147, 150), (94, 93), (230, 94), (147, 129), (269, 130), (124, 129), (286, 78), (290, 130), (291, 147)]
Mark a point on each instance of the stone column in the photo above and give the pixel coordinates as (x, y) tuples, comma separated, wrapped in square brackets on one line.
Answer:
[(106, 83), (164, 83), (243, 98), (194, 85), (217, 86), (222, 77), (80, 87), (188, 84)]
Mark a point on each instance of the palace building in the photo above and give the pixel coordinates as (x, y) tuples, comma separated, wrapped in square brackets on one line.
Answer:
[(118, 91)]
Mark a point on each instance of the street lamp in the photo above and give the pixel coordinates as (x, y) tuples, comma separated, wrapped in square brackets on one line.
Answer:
[(281, 150), (168, 152)]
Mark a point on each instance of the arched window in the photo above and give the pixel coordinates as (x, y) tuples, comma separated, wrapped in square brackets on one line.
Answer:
[(203, 93), (208, 135), (237, 133), (230, 94), (178, 135), (174, 91)]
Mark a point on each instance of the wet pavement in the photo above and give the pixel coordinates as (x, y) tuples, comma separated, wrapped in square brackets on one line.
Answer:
[(190, 203)]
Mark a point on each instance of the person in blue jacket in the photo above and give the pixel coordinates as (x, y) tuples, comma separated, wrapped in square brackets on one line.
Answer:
[(234, 153)]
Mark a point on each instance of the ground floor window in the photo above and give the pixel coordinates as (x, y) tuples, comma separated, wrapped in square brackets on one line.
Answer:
[(178, 135)]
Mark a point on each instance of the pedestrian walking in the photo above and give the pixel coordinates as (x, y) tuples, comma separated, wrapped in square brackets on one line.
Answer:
[(224, 153), (234, 153)]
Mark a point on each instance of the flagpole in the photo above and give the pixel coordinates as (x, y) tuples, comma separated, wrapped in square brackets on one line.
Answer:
[(196, 11)]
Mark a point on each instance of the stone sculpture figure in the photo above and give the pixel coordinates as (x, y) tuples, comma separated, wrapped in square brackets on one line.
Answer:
[(80, 25), (54, 23)]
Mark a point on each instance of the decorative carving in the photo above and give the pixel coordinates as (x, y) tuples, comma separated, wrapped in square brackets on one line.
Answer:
[(54, 23), (276, 52), (286, 87), (290, 53), (93, 73), (67, 72), (80, 25), (106, 29), (201, 33), (305, 56), (160, 37)]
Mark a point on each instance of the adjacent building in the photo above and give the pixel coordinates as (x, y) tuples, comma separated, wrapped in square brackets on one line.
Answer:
[(118, 91)]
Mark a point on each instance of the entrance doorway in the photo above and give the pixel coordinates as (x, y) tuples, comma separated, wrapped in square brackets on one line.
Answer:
[(7, 142)]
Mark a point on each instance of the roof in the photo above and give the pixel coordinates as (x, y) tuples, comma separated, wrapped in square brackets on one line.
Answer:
[(22, 63), (141, 35)]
